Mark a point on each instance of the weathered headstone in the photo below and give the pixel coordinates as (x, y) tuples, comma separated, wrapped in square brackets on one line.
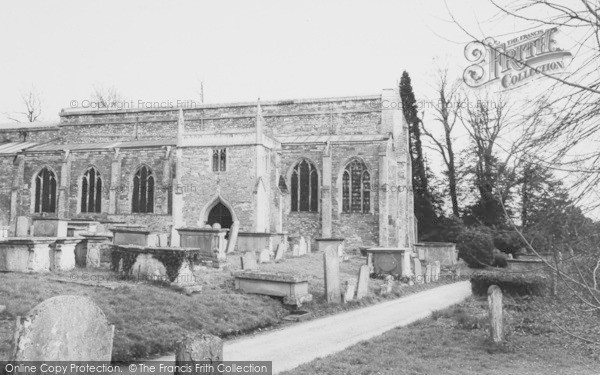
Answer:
[(23, 225), (163, 240), (436, 270), (198, 348), (509, 256), (340, 250), (280, 250), (302, 249), (370, 262), (418, 271), (64, 328), (308, 246), (296, 251), (386, 287), (363, 282), (153, 240), (428, 273), (265, 256), (233, 235), (249, 260), (349, 290), (331, 267), (495, 305)]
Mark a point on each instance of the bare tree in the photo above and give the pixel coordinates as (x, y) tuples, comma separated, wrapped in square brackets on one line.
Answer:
[(32, 107), (105, 97), (447, 113)]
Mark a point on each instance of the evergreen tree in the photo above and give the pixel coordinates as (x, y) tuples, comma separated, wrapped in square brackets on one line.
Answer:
[(424, 199)]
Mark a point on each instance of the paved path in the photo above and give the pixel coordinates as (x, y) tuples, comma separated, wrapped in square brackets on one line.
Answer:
[(292, 346)]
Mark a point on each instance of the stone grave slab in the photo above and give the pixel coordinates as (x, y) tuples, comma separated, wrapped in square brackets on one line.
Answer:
[(249, 260), (332, 275), (363, 282)]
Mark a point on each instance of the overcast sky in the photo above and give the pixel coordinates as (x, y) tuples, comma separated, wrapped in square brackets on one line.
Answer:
[(242, 50)]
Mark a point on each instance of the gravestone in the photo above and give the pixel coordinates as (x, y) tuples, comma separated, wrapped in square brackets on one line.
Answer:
[(418, 271), (153, 240), (386, 287), (296, 251), (265, 256), (233, 235), (23, 226), (436, 270), (216, 226), (495, 305), (302, 249), (198, 347), (249, 261), (163, 240), (280, 250), (64, 328), (308, 246), (509, 256), (363, 282), (332, 275), (340, 250), (349, 290), (428, 273)]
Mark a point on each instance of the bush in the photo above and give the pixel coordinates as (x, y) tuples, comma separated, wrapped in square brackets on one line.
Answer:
[(475, 246), (500, 259), (508, 242), (517, 284)]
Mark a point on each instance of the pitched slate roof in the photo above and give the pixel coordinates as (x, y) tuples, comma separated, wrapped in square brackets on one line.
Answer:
[(105, 145), (10, 148)]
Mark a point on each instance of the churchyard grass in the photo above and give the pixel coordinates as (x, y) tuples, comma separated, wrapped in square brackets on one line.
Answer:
[(149, 318), (456, 341)]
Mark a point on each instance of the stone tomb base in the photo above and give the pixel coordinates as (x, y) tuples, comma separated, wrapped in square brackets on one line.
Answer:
[(293, 289), (324, 243), (390, 260), (42, 254)]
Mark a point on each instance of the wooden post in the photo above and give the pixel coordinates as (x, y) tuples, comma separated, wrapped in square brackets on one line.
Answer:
[(199, 348), (495, 305), (332, 275)]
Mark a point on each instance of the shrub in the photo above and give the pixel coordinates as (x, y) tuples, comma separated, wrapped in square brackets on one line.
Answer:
[(508, 242), (475, 246), (500, 259), (511, 283)]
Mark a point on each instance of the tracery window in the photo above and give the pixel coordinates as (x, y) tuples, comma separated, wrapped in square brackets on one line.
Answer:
[(356, 188), (91, 191), (45, 191), (219, 160), (305, 187), (143, 191)]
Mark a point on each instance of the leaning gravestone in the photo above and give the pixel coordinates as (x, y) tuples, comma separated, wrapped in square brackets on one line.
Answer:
[(280, 250), (418, 271), (202, 348), (23, 226), (332, 275), (249, 261), (64, 328), (350, 288), (363, 282)]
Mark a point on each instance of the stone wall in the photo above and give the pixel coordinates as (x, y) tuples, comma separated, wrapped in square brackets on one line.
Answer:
[(6, 172)]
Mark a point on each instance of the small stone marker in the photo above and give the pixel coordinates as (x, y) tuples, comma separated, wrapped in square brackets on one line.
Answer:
[(23, 226), (233, 235), (340, 250), (308, 246), (495, 305), (436, 270), (198, 348), (249, 261), (280, 251), (370, 262), (265, 256), (509, 256), (349, 290), (302, 249), (296, 251), (386, 288), (64, 328), (332, 275), (363, 282), (163, 240), (428, 273), (418, 271)]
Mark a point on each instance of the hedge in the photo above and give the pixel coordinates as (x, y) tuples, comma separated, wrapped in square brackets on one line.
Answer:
[(512, 283)]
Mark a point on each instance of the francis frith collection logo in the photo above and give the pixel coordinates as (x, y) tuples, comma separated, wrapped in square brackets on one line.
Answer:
[(514, 62)]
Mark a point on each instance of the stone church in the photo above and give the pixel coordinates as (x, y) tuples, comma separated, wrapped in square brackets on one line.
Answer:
[(321, 168)]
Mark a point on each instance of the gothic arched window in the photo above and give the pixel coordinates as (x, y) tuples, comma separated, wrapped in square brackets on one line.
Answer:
[(91, 191), (143, 191), (45, 191), (305, 187), (356, 188)]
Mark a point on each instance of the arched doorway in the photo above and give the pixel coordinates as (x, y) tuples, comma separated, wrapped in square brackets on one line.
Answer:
[(220, 214)]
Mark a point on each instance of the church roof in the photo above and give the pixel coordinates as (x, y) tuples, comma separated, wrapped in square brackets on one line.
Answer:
[(333, 138), (29, 125), (10, 148), (105, 145)]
